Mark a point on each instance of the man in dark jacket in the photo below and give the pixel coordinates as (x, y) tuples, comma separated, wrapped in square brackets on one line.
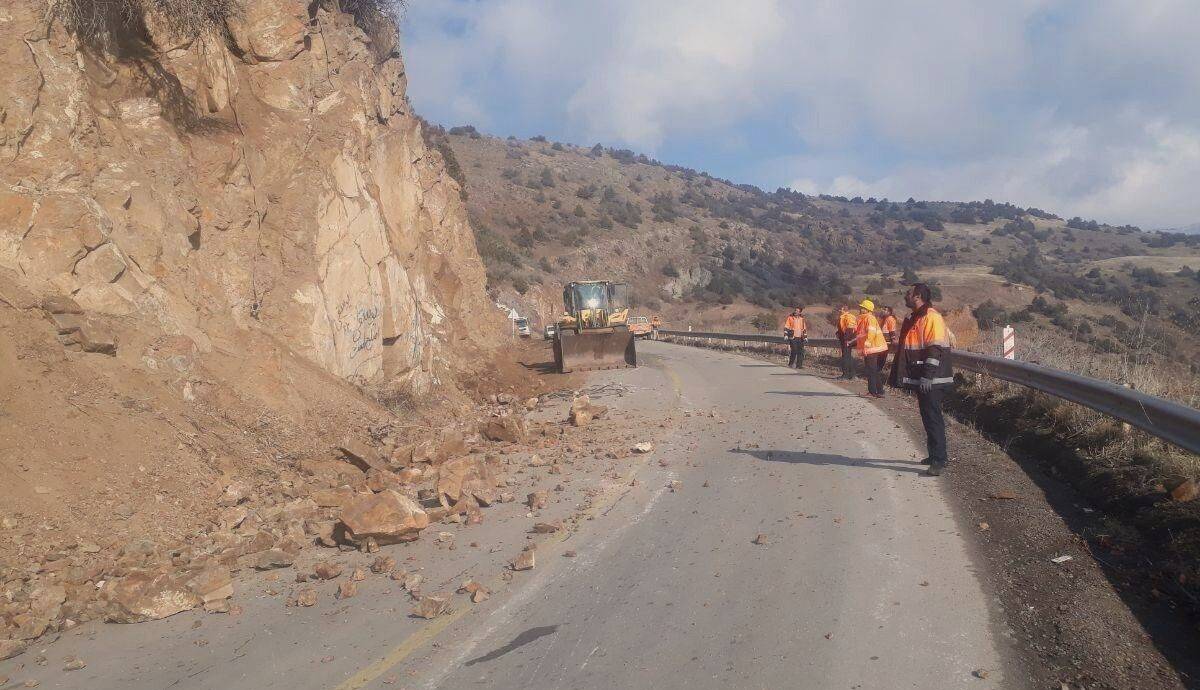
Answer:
[(922, 364)]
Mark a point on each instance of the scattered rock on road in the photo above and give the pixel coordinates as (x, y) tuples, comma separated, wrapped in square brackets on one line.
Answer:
[(537, 500), (347, 589), (144, 595), (10, 648), (644, 447), (760, 539), (1004, 495), (388, 517), (431, 606), (383, 565), (524, 560), (327, 570), (306, 597)]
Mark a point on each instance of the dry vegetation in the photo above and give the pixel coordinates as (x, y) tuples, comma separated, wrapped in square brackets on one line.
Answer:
[(708, 252)]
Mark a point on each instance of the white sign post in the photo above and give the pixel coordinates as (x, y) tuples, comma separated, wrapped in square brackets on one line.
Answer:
[(1010, 343)]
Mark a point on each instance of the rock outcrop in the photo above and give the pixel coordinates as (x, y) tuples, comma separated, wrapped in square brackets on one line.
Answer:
[(227, 261), (270, 179)]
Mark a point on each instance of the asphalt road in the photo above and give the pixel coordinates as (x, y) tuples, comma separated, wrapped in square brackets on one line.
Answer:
[(862, 579)]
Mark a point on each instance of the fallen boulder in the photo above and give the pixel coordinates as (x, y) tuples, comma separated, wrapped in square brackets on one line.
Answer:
[(144, 595), (510, 429), (387, 517), (466, 477), (583, 411)]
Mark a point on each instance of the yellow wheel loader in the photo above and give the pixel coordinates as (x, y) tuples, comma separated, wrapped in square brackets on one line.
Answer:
[(593, 332)]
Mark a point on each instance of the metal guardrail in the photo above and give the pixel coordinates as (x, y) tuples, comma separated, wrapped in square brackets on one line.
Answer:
[(1170, 421)]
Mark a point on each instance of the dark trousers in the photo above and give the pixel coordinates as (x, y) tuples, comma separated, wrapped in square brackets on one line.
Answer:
[(847, 362), (874, 370), (796, 356), (930, 405)]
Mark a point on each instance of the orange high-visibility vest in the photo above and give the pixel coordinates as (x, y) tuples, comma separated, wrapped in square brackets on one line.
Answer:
[(889, 327), (796, 325), (847, 323), (927, 351), (870, 336)]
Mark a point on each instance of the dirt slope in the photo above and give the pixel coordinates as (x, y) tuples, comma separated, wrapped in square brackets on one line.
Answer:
[(222, 254)]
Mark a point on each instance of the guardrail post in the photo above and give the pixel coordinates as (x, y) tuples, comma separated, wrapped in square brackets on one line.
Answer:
[(1009, 348)]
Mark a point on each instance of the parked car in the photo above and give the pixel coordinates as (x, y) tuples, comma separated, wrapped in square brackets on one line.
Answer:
[(522, 327)]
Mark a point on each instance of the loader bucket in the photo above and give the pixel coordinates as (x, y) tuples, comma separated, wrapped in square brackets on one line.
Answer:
[(593, 350)]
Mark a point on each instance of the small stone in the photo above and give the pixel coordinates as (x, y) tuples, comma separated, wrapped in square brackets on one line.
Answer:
[(347, 589), (983, 527), (11, 648), (306, 597), (524, 561), (431, 606), (272, 559), (383, 565), (547, 527), (760, 539), (537, 500), (982, 674), (478, 592), (32, 683), (358, 575), (675, 485), (1004, 495), (327, 570), (569, 553), (643, 447), (412, 583)]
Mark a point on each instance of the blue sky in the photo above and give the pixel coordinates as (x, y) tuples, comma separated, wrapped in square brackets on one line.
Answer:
[(1082, 108)]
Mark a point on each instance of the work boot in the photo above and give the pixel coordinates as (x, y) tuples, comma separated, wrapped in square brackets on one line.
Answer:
[(935, 469)]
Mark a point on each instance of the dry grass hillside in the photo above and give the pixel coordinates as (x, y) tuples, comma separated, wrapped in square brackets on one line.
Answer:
[(706, 251)]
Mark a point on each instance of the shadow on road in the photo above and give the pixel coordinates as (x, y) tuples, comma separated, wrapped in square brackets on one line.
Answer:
[(519, 641), (814, 394), (826, 459)]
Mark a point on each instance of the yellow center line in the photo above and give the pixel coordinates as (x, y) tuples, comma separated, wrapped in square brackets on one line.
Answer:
[(431, 630)]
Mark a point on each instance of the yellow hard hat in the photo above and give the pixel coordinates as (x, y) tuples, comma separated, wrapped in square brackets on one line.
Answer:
[(867, 304)]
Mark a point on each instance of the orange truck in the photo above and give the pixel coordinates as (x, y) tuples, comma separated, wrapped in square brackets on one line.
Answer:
[(639, 326)]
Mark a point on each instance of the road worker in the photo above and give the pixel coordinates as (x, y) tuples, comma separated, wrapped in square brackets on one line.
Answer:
[(922, 363), (872, 347), (890, 329), (847, 328), (795, 329)]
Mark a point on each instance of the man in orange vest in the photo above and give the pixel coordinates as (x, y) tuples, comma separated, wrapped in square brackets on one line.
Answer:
[(922, 364), (889, 325), (795, 329), (872, 347), (847, 326)]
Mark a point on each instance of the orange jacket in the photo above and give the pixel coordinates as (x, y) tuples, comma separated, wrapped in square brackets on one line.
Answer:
[(795, 324), (869, 336), (889, 328), (847, 323)]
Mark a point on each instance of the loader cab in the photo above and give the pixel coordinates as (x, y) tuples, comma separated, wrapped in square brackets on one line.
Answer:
[(596, 304)]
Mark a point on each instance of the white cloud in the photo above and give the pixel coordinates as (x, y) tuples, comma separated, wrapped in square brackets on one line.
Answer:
[(1081, 108)]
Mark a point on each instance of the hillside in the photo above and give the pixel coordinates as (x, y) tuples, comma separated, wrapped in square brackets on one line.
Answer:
[(215, 271), (706, 251)]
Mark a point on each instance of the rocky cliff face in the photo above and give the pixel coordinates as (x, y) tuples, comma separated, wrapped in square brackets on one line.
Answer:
[(265, 177)]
